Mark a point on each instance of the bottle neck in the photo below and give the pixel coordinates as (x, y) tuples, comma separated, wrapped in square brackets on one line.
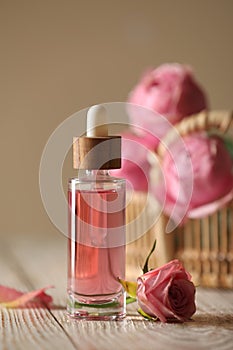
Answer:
[(100, 172), (97, 174)]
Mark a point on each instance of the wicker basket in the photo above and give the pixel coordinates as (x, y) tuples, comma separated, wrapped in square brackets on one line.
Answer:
[(205, 246)]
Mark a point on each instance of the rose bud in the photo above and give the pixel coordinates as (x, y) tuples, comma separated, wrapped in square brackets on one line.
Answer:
[(170, 90), (212, 177), (167, 293)]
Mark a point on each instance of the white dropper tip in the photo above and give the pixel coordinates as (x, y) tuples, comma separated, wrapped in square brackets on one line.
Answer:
[(97, 121)]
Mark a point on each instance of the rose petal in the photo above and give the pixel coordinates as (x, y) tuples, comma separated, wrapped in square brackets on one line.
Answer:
[(161, 275), (11, 298), (210, 208), (181, 298), (154, 307)]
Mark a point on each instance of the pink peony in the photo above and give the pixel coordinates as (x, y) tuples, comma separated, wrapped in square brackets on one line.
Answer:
[(135, 166), (209, 180), (167, 292), (170, 90), (163, 96)]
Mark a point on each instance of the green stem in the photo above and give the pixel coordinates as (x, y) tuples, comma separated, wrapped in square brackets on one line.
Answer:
[(145, 268)]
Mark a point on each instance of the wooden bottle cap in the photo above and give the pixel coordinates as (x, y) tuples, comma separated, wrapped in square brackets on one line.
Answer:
[(97, 152)]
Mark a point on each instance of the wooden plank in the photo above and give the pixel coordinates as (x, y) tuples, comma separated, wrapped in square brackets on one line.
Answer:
[(43, 261), (33, 328), (214, 332), (30, 329), (39, 261)]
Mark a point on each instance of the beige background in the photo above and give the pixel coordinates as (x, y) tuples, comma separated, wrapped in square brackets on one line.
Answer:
[(58, 57)]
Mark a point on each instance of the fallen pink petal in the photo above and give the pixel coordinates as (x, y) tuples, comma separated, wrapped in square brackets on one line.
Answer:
[(12, 298)]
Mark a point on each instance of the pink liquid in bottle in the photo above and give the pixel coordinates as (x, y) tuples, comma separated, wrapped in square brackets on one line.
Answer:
[(96, 250)]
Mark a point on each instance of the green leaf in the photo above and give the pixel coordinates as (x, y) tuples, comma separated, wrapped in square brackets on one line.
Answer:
[(130, 287), (145, 315), (226, 139), (145, 268), (130, 300), (229, 145)]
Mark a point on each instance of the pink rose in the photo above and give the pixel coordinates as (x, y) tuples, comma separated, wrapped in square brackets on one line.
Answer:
[(167, 292), (163, 96), (211, 169), (135, 166), (170, 90)]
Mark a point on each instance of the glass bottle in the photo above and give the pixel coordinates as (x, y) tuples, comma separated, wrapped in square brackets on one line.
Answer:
[(96, 243)]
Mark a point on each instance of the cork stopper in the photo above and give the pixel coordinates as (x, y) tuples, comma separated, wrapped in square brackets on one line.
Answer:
[(97, 150)]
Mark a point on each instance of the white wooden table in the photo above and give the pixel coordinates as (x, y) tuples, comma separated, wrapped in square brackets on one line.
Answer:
[(28, 263)]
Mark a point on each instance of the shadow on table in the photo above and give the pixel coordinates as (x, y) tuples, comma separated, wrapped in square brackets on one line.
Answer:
[(219, 320)]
